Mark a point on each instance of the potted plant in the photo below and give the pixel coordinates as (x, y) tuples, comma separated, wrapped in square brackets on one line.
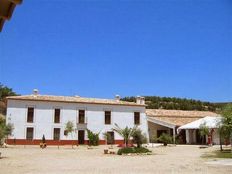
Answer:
[(43, 144)]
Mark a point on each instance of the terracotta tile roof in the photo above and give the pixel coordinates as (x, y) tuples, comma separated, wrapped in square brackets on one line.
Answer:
[(73, 99), (177, 117)]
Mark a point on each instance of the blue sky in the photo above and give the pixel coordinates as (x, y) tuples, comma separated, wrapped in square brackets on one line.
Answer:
[(180, 48)]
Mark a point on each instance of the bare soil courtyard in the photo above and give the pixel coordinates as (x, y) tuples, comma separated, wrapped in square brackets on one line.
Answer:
[(176, 159)]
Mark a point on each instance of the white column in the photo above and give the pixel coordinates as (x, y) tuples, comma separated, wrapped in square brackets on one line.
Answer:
[(174, 135), (187, 136), (194, 136)]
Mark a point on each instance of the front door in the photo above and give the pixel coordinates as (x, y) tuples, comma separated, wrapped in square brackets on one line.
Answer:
[(110, 138), (81, 137)]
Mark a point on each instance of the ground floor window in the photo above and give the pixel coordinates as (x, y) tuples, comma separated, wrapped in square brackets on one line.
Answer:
[(56, 134), (29, 134)]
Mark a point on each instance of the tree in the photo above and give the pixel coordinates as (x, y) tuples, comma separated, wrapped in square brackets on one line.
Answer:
[(203, 130), (69, 128), (165, 139), (139, 138), (93, 138), (126, 133), (155, 102), (222, 134), (226, 124), (4, 92), (5, 129)]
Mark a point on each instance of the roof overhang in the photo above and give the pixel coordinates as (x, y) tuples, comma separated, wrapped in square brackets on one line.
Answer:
[(159, 122), (6, 10)]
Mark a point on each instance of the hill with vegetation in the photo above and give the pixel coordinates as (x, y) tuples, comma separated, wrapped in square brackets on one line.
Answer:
[(155, 102)]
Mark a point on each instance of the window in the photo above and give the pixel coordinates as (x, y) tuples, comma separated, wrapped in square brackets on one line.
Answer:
[(56, 134), (107, 117), (137, 118), (29, 135), (57, 116), (30, 115), (82, 116)]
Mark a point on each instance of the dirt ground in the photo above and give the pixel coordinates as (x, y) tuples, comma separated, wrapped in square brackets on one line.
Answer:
[(176, 159)]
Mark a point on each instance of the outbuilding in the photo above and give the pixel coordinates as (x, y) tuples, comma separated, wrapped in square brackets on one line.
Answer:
[(192, 130)]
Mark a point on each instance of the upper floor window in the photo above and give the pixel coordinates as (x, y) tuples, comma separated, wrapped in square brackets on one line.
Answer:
[(30, 115), (136, 118), (81, 118), (57, 116), (29, 133), (107, 117)]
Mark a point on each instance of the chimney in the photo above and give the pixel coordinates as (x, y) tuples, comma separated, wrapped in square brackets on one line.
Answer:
[(35, 92), (142, 100), (138, 100), (117, 98)]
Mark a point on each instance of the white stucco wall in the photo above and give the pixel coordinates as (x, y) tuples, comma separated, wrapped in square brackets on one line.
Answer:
[(94, 113)]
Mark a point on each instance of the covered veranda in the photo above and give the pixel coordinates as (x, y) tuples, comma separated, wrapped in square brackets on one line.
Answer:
[(156, 127), (192, 130)]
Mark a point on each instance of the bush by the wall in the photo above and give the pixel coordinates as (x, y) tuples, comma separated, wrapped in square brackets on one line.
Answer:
[(127, 150), (93, 138)]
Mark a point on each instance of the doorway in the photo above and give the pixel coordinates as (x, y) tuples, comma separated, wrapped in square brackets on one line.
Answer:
[(81, 137), (110, 138)]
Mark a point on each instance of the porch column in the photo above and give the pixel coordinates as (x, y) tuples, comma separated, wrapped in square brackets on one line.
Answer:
[(187, 136), (174, 135)]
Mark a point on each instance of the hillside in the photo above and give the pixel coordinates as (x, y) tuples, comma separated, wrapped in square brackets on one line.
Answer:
[(155, 102)]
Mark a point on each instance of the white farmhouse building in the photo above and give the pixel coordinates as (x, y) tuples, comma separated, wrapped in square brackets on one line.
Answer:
[(36, 115)]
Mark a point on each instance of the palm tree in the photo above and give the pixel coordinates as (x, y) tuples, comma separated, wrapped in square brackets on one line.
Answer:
[(204, 130), (69, 128), (126, 133)]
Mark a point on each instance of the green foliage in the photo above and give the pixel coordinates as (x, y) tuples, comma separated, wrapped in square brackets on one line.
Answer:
[(127, 150), (226, 125), (5, 129), (218, 154), (139, 138), (165, 139), (203, 130), (69, 127), (126, 132), (155, 102), (93, 138), (5, 92)]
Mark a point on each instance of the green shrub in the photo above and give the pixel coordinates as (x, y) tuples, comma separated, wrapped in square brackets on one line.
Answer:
[(139, 138), (165, 139), (127, 150), (93, 138)]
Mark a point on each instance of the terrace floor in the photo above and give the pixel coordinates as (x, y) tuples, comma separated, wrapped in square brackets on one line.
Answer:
[(175, 159)]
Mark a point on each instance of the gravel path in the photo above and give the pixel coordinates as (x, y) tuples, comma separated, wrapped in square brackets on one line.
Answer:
[(176, 159)]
